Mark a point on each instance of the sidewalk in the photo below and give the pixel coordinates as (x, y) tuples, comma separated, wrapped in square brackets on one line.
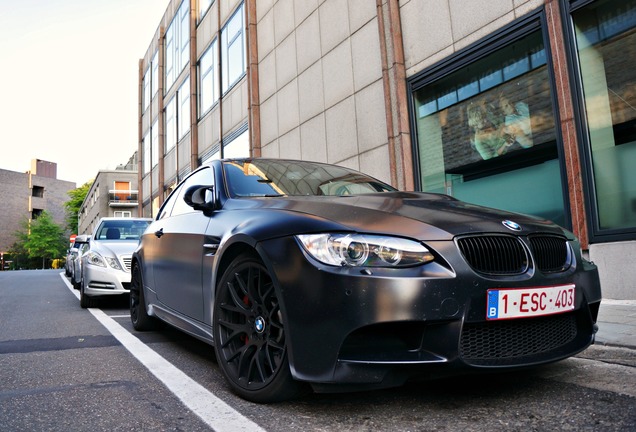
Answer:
[(617, 323)]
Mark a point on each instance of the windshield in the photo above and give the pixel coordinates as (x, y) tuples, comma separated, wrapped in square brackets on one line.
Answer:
[(258, 178), (121, 230)]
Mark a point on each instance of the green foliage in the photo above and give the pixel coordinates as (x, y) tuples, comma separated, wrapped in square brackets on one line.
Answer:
[(41, 239), (19, 257), (74, 204)]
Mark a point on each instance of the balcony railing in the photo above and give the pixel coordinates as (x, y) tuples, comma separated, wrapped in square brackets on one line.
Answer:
[(123, 198)]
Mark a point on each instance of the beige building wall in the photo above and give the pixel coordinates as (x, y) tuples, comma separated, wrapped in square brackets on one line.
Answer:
[(320, 83), (435, 29)]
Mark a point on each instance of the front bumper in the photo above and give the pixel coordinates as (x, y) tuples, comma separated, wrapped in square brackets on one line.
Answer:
[(103, 281), (377, 329)]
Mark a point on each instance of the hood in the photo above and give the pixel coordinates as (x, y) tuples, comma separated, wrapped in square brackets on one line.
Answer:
[(115, 247), (412, 214)]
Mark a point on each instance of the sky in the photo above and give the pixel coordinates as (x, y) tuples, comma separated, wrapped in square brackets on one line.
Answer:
[(69, 72)]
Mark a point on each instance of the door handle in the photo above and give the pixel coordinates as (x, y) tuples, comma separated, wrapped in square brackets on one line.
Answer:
[(159, 233)]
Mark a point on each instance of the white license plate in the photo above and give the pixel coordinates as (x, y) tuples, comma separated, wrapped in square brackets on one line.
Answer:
[(510, 303)]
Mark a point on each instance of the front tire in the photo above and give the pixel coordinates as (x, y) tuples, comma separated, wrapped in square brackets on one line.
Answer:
[(74, 281), (86, 301), (141, 321), (249, 334)]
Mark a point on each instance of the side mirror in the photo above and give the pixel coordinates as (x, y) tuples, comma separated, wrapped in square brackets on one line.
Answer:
[(200, 197)]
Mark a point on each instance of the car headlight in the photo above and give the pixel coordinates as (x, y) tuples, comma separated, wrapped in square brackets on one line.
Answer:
[(357, 250), (96, 259), (113, 262)]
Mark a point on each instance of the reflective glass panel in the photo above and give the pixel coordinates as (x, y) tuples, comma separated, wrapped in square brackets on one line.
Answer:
[(606, 43)]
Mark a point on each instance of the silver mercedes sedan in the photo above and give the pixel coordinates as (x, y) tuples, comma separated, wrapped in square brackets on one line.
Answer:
[(106, 263)]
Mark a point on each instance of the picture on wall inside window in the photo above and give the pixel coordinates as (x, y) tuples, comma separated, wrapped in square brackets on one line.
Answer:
[(499, 129)]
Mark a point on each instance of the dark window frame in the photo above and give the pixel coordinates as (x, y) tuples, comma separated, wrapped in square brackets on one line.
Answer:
[(595, 233), (514, 31)]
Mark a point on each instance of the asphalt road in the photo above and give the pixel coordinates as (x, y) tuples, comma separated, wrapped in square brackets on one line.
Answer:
[(63, 368)]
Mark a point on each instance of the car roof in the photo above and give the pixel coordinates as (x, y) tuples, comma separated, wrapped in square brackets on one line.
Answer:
[(84, 238)]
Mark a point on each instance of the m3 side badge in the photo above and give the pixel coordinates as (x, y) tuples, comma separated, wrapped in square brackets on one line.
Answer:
[(511, 225)]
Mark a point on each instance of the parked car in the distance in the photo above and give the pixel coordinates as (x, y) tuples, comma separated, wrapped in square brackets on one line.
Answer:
[(75, 273), (105, 267), (71, 254)]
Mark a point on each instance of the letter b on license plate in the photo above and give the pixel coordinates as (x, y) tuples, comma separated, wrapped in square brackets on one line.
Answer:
[(507, 303)]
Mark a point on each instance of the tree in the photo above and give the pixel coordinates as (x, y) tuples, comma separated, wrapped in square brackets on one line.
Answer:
[(41, 238), (74, 204)]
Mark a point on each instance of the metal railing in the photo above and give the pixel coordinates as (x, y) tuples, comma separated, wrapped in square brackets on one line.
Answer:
[(123, 198)]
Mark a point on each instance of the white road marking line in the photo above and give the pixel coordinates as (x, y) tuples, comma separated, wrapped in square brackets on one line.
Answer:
[(213, 411)]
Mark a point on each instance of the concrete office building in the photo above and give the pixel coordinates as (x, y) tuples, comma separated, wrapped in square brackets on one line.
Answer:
[(25, 195), (526, 105), (113, 193)]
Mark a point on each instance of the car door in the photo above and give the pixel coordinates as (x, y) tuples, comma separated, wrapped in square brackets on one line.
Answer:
[(175, 249)]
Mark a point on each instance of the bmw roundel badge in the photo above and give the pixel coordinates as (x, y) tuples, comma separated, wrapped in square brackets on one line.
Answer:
[(259, 325), (511, 225)]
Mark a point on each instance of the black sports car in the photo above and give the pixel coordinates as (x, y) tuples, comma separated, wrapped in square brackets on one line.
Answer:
[(303, 274)]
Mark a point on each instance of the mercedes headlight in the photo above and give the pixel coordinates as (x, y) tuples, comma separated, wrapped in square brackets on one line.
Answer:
[(358, 250), (96, 259)]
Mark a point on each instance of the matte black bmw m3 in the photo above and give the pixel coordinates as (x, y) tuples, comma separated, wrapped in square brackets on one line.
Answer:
[(306, 275)]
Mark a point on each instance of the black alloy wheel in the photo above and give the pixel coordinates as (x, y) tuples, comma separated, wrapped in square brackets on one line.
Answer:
[(249, 334), (141, 321)]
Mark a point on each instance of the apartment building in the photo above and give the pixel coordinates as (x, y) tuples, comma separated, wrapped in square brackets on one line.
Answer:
[(525, 105), (25, 195), (113, 193)]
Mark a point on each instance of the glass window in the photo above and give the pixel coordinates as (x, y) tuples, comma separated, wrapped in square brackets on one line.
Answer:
[(171, 125), (178, 205), (233, 50), (146, 153), (154, 143), (204, 5), (38, 191), (121, 229), (486, 132), (184, 108), (184, 37), (606, 43), (146, 89), (238, 147), (155, 74), (208, 83), (214, 156), (169, 56), (263, 177), (177, 44)]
